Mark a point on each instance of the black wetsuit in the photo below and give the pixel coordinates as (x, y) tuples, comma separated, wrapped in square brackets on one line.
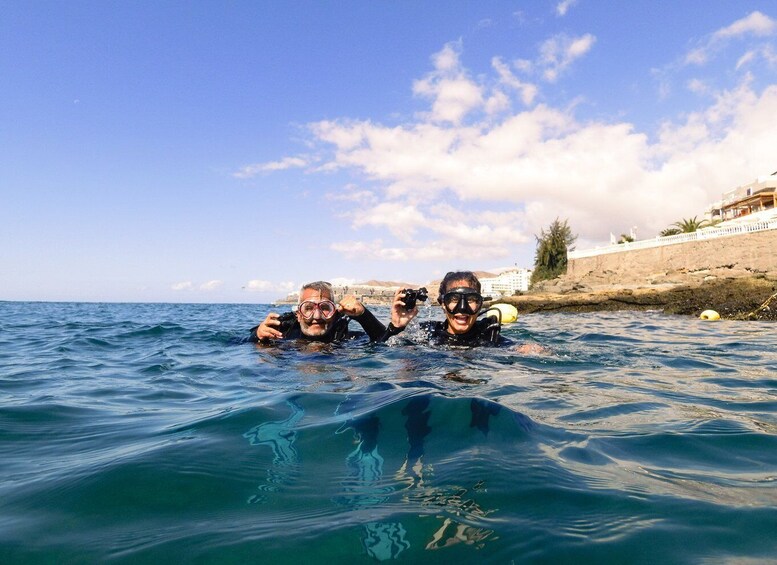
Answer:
[(291, 329), (485, 332)]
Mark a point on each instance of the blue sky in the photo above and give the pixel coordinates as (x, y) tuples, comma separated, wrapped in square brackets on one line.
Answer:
[(228, 152)]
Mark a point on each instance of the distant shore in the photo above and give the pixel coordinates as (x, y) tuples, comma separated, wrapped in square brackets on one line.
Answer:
[(741, 298), (737, 298)]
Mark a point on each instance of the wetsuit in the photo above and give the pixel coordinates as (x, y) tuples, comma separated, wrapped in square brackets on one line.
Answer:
[(485, 332), (290, 329)]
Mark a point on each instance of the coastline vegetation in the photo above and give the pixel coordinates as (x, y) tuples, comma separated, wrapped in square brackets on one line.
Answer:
[(686, 225), (550, 259)]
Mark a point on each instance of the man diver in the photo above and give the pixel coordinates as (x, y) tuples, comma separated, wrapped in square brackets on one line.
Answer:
[(318, 318)]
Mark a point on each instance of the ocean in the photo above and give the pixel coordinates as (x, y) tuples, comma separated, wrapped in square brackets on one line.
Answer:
[(153, 433)]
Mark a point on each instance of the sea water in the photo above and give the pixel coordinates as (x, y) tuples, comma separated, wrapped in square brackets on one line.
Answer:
[(153, 433)]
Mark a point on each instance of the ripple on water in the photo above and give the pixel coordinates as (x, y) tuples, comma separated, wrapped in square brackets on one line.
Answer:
[(140, 433)]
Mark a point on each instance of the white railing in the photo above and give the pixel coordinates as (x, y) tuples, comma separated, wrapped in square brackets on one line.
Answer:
[(709, 233)]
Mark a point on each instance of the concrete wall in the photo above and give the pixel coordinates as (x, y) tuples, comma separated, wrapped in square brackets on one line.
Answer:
[(736, 255)]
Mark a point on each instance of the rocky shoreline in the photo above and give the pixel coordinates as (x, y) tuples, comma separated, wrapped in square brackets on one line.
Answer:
[(740, 298)]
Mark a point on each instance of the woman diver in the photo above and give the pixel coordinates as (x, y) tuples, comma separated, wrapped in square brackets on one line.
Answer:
[(461, 301)]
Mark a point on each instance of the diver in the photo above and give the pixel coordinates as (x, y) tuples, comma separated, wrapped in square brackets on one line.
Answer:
[(462, 302), (318, 318)]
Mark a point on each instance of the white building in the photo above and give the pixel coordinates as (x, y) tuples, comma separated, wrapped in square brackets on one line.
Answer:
[(756, 197), (506, 283)]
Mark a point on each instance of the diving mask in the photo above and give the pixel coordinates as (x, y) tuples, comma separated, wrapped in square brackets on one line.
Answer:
[(326, 308), (462, 300)]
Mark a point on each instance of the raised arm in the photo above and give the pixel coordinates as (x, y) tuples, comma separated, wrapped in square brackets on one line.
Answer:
[(351, 306), (400, 315)]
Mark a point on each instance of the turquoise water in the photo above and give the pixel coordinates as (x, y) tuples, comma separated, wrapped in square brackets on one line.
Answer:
[(139, 433)]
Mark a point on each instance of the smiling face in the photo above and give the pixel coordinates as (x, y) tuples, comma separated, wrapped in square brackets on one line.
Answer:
[(459, 322), (317, 325)]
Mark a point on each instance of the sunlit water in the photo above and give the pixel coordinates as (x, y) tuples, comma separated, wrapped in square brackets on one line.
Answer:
[(151, 434)]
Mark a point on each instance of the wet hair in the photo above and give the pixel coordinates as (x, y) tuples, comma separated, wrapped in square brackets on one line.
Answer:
[(468, 276), (321, 286)]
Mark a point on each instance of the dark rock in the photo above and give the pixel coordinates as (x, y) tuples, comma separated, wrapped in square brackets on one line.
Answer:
[(741, 298)]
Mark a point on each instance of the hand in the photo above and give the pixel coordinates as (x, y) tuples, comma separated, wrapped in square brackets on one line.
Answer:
[(268, 328), (350, 306), (401, 316), (532, 349)]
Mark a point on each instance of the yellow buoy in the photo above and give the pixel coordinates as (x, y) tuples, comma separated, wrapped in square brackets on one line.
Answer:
[(508, 311), (709, 315)]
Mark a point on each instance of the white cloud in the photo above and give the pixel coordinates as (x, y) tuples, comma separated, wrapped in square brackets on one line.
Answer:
[(259, 285), (287, 286), (438, 250), (188, 286), (400, 218), (250, 171), (443, 189), (487, 231), (745, 59), (453, 93), (697, 56), (527, 91), (211, 285), (697, 86), (769, 56), (523, 65), (755, 24), (351, 193), (183, 286), (542, 159), (497, 103), (560, 51), (563, 7), (764, 52), (342, 281)]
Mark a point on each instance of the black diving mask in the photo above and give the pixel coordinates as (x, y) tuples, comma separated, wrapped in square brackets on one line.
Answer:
[(462, 301)]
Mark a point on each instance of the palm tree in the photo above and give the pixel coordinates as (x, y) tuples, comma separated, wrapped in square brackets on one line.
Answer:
[(686, 226), (691, 225)]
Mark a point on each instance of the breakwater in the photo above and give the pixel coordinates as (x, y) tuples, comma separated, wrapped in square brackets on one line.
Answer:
[(734, 256)]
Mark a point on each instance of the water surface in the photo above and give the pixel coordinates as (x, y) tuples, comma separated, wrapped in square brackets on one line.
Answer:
[(138, 433)]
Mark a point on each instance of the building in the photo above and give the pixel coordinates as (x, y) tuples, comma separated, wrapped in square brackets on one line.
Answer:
[(757, 196), (506, 283)]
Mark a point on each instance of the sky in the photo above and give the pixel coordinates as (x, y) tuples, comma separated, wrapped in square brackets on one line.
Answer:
[(231, 151)]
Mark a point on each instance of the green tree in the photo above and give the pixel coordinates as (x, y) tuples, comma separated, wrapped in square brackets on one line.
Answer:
[(688, 225), (670, 231), (625, 238), (550, 259)]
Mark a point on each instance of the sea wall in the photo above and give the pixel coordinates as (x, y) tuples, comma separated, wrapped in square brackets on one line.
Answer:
[(732, 256)]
